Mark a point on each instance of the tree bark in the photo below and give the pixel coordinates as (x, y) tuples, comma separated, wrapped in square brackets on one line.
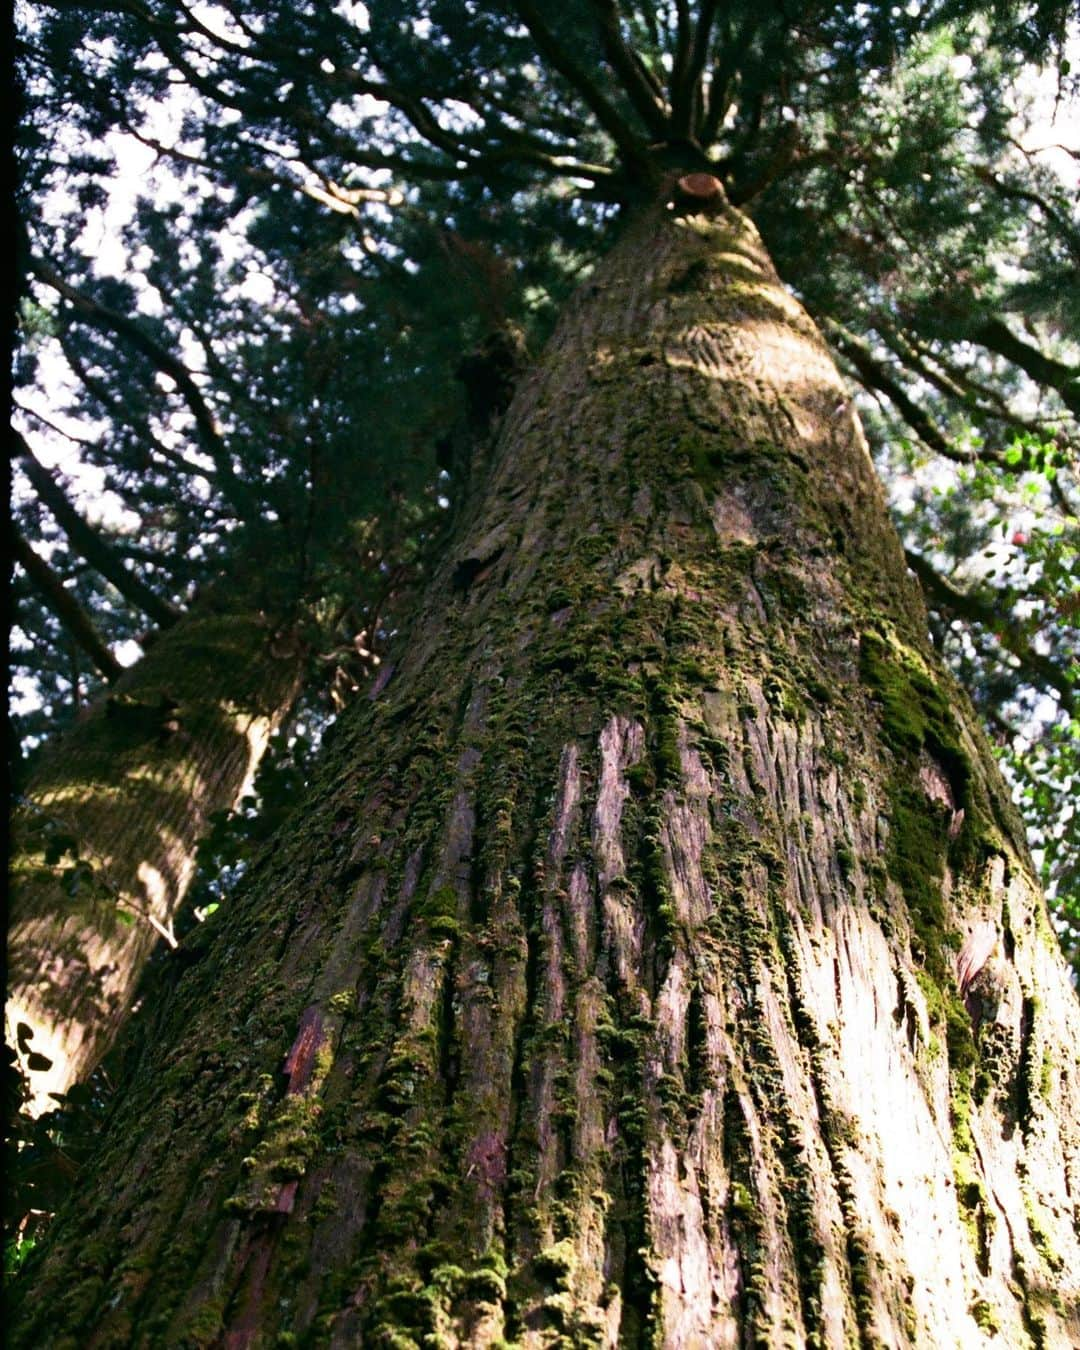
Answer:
[(659, 960), (104, 842)]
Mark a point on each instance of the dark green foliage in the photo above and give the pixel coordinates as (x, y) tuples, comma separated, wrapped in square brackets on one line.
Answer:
[(42, 1154)]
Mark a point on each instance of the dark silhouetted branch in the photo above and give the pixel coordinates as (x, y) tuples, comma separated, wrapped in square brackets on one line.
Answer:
[(986, 610), (561, 60), (996, 336), (102, 317), (63, 604), (86, 541), (874, 373)]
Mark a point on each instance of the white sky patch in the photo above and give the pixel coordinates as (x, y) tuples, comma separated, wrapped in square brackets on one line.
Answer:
[(1055, 122), (127, 653), (258, 287), (356, 14), (24, 697), (220, 23), (191, 352), (138, 171)]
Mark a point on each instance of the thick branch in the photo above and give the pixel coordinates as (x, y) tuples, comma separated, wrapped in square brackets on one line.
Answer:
[(623, 62), (945, 376), (571, 70), (1003, 189), (146, 442), (876, 375), (64, 605), (956, 383), (997, 337), (783, 156), (686, 95), (986, 611), (733, 51), (684, 38), (102, 317), (87, 542)]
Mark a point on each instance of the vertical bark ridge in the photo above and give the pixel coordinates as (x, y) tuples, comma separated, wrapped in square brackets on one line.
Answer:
[(679, 975)]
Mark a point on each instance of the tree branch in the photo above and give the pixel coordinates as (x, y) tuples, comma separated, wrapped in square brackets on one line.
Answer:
[(732, 52), (651, 109), (783, 156), (958, 383), (1003, 189), (875, 374), (686, 92), (87, 542), (64, 605), (996, 336), (561, 60), (102, 317), (684, 40), (986, 610), (144, 437)]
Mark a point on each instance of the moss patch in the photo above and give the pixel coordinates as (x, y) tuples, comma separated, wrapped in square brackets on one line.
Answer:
[(926, 835), (915, 714)]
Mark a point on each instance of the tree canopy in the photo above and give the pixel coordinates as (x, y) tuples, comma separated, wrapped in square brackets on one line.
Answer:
[(356, 222)]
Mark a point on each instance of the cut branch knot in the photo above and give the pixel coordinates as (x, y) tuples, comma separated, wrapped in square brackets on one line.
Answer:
[(699, 189)]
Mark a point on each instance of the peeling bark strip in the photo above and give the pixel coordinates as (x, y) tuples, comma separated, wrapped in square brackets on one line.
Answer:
[(104, 845), (301, 1058), (645, 914)]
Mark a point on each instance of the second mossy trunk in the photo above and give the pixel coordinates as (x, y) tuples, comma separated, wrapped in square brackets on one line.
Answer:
[(104, 840), (658, 961)]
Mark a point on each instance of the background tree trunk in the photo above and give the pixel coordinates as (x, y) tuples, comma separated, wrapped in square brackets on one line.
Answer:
[(105, 842), (659, 960)]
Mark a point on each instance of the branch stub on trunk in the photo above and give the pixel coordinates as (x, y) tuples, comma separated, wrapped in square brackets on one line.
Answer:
[(698, 189)]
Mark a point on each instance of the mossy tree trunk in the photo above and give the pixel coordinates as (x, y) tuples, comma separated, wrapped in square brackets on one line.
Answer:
[(659, 961), (104, 844)]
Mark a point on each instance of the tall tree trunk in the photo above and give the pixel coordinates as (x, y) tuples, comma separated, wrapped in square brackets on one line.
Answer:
[(659, 961), (105, 841)]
